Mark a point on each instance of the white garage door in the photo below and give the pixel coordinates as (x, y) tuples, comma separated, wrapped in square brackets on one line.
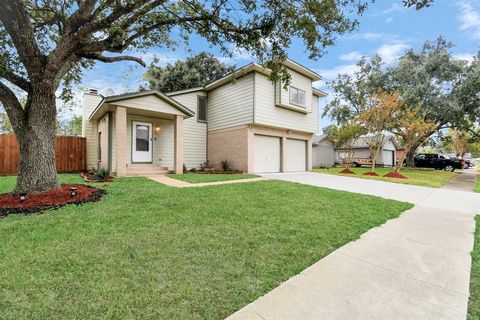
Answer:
[(387, 157), (296, 155), (267, 154)]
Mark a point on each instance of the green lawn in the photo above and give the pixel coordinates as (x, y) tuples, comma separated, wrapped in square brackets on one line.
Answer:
[(418, 177), (474, 303), (148, 251), (200, 177)]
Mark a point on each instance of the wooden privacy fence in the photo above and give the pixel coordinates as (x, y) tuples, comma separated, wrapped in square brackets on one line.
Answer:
[(70, 154)]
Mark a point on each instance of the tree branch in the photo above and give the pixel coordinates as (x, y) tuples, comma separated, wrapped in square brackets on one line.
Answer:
[(15, 20), (100, 57), (15, 79), (14, 109)]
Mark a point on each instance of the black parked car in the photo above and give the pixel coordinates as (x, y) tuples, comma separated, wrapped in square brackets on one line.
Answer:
[(438, 162)]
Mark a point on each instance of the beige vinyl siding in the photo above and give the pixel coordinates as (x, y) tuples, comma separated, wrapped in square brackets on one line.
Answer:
[(231, 105), (267, 113), (163, 143), (150, 103), (90, 128), (194, 132)]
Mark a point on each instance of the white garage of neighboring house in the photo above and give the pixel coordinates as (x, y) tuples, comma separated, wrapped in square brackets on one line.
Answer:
[(324, 154)]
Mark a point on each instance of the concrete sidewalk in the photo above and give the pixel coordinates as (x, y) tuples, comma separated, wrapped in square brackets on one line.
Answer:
[(464, 181), (414, 267)]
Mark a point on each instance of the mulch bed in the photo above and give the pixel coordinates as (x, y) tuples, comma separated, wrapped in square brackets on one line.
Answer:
[(90, 178), (51, 199), (395, 175), (370, 173), (347, 171), (216, 172)]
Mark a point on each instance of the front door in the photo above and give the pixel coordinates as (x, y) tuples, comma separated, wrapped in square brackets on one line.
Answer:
[(141, 142)]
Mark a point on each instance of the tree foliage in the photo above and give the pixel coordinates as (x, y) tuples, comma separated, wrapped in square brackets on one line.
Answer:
[(71, 127), (447, 89), (343, 138), (196, 71), (376, 117), (410, 127)]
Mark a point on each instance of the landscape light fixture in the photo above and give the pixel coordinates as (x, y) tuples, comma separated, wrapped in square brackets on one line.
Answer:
[(73, 192), (23, 197)]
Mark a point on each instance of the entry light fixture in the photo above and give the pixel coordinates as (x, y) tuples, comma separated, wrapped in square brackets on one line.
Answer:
[(157, 129)]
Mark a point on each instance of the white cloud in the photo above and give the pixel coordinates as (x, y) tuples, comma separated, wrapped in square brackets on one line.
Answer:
[(239, 54), (463, 56), (392, 51), (396, 7), (389, 19), (351, 56), (469, 19), (330, 74), (369, 36)]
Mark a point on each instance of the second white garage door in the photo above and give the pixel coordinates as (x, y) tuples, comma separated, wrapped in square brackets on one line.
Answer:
[(267, 154), (296, 155)]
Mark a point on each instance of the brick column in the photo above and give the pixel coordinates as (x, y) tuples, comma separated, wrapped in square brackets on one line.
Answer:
[(178, 152), (121, 140)]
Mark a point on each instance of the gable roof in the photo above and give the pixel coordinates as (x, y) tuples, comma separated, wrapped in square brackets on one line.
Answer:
[(133, 95), (362, 142), (253, 66)]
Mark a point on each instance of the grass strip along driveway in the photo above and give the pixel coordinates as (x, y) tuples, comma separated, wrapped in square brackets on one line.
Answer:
[(210, 177), (418, 177), (148, 251), (474, 303)]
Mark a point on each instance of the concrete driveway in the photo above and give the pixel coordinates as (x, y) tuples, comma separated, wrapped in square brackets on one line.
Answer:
[(414, 267)]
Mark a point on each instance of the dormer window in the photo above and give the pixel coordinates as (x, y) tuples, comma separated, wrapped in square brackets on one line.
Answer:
[(297, 97)]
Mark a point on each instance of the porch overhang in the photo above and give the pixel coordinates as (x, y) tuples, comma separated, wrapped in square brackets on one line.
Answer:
[(147, 103)]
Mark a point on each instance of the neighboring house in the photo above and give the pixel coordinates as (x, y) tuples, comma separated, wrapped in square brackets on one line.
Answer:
[(324, 155), (323, 152), (386, 156), (244, 118)]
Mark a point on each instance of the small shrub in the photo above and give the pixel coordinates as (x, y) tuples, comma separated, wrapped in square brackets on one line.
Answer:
[(185, 168), (101, 174), (226, 165), (204, 166), (193, 170)]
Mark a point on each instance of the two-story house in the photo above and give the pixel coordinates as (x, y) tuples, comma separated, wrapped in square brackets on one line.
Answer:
[(256, 125)]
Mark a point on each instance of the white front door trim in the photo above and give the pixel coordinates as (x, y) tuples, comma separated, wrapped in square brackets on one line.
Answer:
[(142, 142)]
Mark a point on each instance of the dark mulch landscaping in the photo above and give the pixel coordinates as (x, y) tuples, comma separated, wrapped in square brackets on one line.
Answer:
[(347, 171), (52, 199), (395, 175), (370, 173)]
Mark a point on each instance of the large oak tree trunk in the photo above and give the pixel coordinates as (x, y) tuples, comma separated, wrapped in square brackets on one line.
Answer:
[(36, 138)]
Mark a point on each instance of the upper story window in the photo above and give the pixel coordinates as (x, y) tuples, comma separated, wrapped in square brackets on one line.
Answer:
[(202, 108), (297, 97)]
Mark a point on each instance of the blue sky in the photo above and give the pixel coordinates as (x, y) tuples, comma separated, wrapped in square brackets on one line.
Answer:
[(386, 28)]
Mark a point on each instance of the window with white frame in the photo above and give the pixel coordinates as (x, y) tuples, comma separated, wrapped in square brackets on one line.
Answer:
[(297, 97)]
